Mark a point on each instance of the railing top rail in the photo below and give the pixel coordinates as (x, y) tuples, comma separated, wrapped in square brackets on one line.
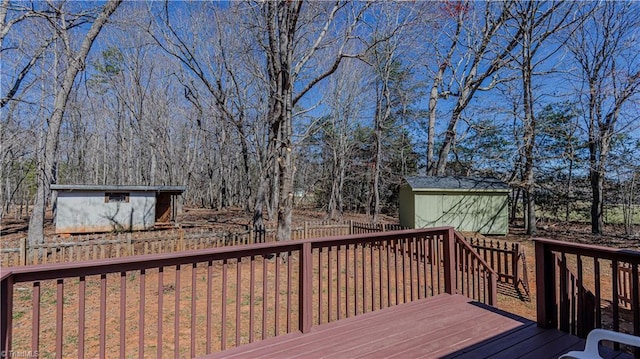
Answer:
[(590, 250), (116, 265), (5, 273)]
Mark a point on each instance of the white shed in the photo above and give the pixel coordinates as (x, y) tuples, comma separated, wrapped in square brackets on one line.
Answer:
[(92, 209)]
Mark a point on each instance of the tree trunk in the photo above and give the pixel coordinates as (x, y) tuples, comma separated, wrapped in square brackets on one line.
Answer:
[(47, 163), (597, 203), (434, 96), (529, 130)]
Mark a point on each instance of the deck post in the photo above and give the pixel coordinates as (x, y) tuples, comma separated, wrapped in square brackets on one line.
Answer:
[(449, 256), (493, 289), (6, 313), (306, 288), (546, 306)]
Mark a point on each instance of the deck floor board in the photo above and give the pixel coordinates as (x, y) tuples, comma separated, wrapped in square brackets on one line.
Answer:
[(444, 326)]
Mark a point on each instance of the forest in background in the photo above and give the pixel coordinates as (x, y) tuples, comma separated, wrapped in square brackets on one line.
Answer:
[(259, 105)]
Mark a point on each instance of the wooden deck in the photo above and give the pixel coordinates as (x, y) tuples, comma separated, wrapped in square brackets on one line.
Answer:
[(445, 326)]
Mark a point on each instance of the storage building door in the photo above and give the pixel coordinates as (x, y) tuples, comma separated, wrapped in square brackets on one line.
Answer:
[(163, 207)]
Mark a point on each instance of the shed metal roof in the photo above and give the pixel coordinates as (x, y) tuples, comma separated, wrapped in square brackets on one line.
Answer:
[(114, 188), (433, 183)]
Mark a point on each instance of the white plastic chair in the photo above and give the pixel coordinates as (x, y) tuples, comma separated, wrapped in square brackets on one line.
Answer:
[(597, 335)]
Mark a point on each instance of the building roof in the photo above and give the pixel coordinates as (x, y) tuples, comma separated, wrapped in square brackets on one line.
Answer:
[(116, 188), (431, 183)]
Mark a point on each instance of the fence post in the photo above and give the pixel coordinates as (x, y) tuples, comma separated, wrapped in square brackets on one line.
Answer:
[(351, 226), (306, 288), (129, 245), (384, 227), (449, 256), (306, 230), (23, 252), (181, 240)]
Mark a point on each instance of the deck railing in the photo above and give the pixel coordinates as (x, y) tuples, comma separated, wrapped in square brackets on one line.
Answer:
[(475, 278), (202, 301), (577, 287)]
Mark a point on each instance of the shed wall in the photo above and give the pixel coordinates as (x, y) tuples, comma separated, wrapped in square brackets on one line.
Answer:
[(407, 207), (484, 212), (86, 212)]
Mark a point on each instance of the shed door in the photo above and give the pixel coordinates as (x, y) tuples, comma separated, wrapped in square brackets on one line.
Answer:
[(458, 211), (163, 207)]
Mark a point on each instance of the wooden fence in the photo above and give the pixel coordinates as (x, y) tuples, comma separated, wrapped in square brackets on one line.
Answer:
[(507, 260), (115, 245)]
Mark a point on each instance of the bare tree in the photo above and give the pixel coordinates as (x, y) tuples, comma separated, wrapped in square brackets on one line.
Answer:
[(538, 22), (475, 56), (605, 50), (347, 94), (62, 24), (286, 66)]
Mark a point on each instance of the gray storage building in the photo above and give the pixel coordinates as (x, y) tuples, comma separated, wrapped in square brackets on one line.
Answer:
[(94, 208), (466, 203)]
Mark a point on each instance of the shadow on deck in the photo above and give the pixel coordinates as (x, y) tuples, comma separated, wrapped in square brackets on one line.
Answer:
[(444, 326)]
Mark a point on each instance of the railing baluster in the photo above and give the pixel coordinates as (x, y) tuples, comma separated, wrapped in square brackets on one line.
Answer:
[(289, 289), (276, 309), (364, 277), (635, 304), (194, 271), (160, 341), (176, 322), (264, 297), (581, 307), (209, 305), (123, 313), (425, 257), (355, 279), (339, 277), (252, 303), (223, 314), (319, 285), (468, 273), (403, 248), (388, 266), (596, 275), (410, 244), (329, 284), (103, 314), (238, 298), (381, 296), (564, 294), (373, 276), (141, 314), (81, 315), (35, 320), (438, 257), (395, 265), (60, 317), (347, 269), (614, 303)]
